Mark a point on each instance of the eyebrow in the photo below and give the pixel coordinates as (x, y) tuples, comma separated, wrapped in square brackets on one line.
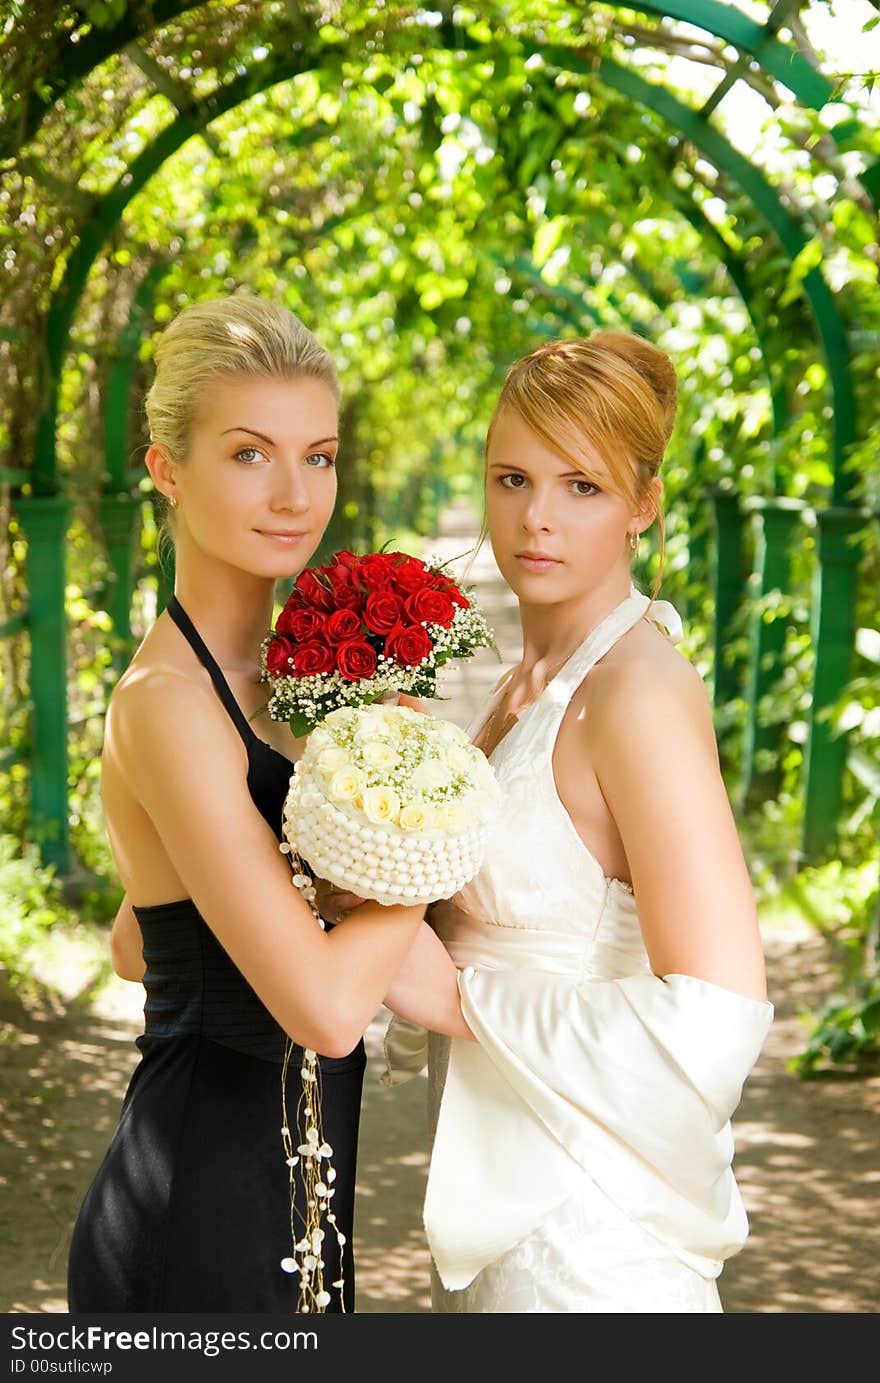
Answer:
[(263, 438), (566, 475)]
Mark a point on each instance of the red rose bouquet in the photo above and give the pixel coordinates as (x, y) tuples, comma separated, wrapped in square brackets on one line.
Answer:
[(363, 628)]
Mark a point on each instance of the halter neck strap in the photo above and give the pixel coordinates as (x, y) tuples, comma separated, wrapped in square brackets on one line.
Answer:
[(209, 662), (605, 635)]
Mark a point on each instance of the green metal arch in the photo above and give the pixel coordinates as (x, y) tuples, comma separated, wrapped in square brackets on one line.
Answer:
[(789, 66), (811, 87), (79, 60), (117, 395), (832, 333), (270, 73)]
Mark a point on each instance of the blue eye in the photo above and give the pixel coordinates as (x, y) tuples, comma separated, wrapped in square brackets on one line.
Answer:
[(320, 460), (249, 455)]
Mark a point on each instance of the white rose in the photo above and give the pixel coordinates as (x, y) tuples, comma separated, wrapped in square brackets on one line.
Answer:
[(416, 816), (330, 760), (369, 724), (320, 739), (453, 817), (458, 759), (379, 754), (375, 723), (381, 805), (346, 784), (431, 774), (446, 732)]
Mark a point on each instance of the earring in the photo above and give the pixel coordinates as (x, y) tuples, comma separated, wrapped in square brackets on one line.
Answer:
[(634, 540), (175, 502)]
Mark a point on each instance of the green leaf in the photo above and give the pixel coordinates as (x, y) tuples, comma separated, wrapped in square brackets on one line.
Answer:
[(548, 239), (300, 725)]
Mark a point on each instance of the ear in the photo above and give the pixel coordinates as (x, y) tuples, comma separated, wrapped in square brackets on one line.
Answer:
[(163, 469), (650, 506)]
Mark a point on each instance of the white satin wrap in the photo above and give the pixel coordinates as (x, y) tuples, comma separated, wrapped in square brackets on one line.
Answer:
[(631, 1080)]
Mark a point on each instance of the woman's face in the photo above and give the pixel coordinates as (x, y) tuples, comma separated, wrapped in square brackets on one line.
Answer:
[(258, 485), (556, 535)]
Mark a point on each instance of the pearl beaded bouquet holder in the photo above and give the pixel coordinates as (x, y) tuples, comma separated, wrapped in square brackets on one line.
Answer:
[(385, 802)]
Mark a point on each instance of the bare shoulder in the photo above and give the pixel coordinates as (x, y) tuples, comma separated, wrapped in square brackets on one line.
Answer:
[(156, 702), (645, 692)]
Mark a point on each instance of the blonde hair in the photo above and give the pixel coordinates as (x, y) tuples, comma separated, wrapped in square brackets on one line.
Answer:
[(612, 390), (238, 335)]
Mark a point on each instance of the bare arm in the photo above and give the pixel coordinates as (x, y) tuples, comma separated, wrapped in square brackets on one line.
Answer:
[(653, 746), (322, 987), (126, 944)]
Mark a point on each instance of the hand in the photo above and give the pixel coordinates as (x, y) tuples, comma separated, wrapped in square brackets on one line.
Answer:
[(425, 990), (334, 903)]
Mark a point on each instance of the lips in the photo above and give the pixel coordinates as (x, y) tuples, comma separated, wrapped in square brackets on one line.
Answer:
[(537, 556), (285, 534)]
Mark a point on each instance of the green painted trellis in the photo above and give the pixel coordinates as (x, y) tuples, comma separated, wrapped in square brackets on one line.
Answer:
[(45, 513)]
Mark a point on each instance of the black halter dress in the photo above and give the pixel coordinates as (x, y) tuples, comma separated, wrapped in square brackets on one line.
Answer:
[(190, 1209)]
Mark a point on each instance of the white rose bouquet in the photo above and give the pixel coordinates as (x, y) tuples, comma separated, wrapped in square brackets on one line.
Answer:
[(391, 804)]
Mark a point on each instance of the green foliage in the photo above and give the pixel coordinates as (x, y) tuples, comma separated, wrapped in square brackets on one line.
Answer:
[(846, 1030), (844, 903), (30, 905)]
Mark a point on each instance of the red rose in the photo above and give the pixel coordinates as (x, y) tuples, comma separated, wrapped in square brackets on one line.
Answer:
[(348, 598), (434, 607), (291, 606), (342, 626), (312, 658), (302, 623), (313, 590), (383, 612), (411, 575), (408, 645), (344, 558), (455, 593), (337, 576), (278, 656), (375, 572), (356, 659)]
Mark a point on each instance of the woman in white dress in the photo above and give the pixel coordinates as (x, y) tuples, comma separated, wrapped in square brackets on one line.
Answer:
[(601, 981)]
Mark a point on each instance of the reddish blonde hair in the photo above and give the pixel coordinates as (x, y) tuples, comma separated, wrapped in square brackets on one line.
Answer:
[(612, 390)]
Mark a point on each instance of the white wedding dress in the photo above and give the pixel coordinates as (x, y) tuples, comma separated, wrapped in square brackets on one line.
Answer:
[(582, 1144)]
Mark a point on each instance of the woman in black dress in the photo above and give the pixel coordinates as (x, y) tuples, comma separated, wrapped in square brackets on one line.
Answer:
[(190, 1209)]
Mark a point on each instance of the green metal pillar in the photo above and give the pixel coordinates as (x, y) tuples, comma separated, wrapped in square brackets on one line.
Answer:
[(120, 507), (834, 632), (729, 582), (698, 547), (45, 520), (775, 522), (119, 516)]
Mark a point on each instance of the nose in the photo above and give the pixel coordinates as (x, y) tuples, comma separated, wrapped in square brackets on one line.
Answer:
[(290, 491), (537, 516)]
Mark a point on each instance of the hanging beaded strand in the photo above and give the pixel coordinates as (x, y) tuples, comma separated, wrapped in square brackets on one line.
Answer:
[(312, 1158)]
